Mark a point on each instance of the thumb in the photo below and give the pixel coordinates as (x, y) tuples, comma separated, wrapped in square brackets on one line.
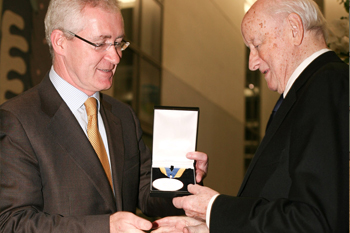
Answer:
[(189, 230), (194, 189), (142, 223)]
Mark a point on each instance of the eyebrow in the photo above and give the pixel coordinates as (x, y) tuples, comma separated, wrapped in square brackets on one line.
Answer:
[(108, 37)]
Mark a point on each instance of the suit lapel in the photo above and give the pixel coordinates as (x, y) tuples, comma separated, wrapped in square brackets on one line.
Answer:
[(281, 114), (73, 141), (116, 149), (286, 106)]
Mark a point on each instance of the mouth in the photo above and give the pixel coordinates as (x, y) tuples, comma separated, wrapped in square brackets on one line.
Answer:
[(106, 70)]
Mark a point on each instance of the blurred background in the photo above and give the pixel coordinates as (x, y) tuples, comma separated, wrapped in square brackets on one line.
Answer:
[(182, 53)]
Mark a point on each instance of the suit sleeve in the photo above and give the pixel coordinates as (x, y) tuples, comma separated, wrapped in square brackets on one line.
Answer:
[(21, 198), (317, 198)]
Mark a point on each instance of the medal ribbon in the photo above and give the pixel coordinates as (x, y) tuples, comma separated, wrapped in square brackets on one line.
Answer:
[(175, 173)]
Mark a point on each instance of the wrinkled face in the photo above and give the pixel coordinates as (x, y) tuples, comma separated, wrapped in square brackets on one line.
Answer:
[(270, 48), (87, 69)]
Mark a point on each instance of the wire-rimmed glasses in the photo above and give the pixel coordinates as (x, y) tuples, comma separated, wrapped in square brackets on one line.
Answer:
[(104, 46)]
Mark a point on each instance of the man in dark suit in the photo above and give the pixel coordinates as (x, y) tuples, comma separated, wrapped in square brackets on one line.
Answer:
[(52, 179), (298, 178)]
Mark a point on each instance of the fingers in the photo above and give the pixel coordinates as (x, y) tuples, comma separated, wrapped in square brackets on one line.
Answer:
[(167, 221), (167, 229), (179, 221), (194, 189), (133, 231), (201, 190), (201, 164), (202, 228), (143, 224), (195, 205), (198, 156), (128, 222), (170, 224), (200, 175), (189, 204), (178, 202), (177, 224)]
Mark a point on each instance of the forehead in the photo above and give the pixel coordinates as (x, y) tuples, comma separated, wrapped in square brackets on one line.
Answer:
[(256, 24), (98, 19), (98, 13), (254, 20)]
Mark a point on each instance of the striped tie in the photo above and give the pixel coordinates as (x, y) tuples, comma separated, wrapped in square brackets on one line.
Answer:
[(95, 137)]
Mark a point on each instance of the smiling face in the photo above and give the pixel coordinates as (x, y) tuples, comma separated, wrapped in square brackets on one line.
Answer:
[(271, 49), (80, 64)]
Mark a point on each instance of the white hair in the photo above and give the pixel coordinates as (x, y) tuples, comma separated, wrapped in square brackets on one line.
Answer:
[(308, 10), (67, 15)]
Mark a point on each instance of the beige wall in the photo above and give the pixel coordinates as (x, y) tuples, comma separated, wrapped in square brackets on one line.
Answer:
[(333, 10), (203, 65)]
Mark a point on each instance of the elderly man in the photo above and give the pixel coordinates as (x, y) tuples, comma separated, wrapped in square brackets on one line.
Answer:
[(298, 178), (72, 159)]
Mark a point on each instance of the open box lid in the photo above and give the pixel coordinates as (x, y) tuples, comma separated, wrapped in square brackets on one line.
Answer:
[(174, 135)]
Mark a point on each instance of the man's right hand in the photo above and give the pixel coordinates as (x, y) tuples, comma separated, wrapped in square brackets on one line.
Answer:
[(128, 222), (180, 224)]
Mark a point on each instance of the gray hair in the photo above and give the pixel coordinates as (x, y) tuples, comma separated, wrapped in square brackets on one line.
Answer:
[(308, 10), (67, 15)]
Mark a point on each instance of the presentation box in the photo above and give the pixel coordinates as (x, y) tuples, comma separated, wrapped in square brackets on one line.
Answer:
[(175, 131)]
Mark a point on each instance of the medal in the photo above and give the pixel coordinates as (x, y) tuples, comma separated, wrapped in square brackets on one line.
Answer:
[(172, 172)]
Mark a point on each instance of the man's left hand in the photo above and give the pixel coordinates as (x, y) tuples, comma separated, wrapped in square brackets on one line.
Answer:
[(201, 164), (195, 205)]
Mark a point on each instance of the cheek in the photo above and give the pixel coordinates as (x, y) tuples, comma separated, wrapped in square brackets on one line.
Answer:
[(89, 62), (276, 55), (79, 58)]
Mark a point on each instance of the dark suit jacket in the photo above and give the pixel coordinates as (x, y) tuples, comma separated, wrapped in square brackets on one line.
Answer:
[(298, 178), (50, 177)]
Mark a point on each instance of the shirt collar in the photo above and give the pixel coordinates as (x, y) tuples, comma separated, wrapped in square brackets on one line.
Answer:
[(301, 68), (72, 96)]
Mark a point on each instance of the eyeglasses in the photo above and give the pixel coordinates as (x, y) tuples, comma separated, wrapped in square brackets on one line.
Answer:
[(119, 46)]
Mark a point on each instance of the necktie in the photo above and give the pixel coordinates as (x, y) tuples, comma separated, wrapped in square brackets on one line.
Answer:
[(277, 106), (95, 137)]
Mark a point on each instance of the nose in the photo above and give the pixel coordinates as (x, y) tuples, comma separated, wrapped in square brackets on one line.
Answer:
[(254, 60), (113, 55)]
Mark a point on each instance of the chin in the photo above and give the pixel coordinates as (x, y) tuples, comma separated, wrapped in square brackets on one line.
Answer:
[(103, 86), (272, 88), (106, 87), (272, 84), (106, 83)]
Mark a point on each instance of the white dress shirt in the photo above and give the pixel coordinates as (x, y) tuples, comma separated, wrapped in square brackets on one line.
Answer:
[(301, 68), (75, 100)]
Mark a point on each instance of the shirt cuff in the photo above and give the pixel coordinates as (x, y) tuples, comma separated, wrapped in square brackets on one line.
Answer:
[(210, 204)]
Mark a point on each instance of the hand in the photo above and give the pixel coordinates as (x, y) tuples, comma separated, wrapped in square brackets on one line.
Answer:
[(195, 206), (180, 225), (202, 228), (201, 164), (128, 222)]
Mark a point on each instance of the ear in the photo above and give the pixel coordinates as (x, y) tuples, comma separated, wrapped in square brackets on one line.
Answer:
[(58, 41), (297, 28)]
